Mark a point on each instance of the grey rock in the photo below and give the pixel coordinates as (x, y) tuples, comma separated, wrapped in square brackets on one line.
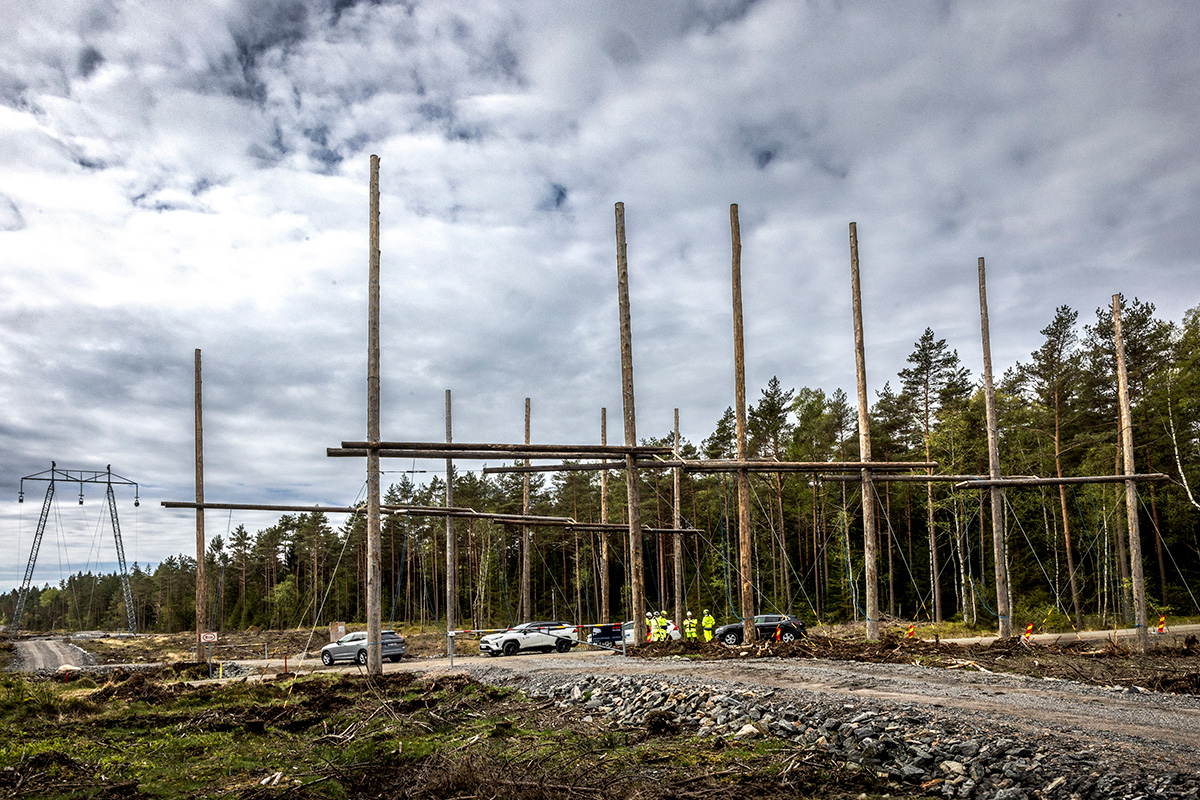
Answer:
[(748, 731)]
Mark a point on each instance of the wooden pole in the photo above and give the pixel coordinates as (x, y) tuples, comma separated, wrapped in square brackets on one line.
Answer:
[(746, 587), (1135, 538), (999, 547), (451, 552), (605, 611), (870, 527), (526, 540), (637, 578), (374, 538), (201, 594), (676, 522)]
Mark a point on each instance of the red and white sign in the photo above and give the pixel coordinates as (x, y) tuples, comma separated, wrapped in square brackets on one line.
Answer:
[(208, 637)]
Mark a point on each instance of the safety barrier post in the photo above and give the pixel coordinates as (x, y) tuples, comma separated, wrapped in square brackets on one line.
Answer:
[(1028, 633), (912, 631)]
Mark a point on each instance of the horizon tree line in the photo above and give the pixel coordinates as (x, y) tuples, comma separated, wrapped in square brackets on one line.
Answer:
[(1066, 545)]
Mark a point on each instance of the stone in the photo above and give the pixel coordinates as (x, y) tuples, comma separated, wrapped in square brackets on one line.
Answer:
[(1013, 793), (747, 731), (1054, 784), (968, 748)]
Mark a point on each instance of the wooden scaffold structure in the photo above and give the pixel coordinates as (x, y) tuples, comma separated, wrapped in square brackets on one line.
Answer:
[(632, 458)]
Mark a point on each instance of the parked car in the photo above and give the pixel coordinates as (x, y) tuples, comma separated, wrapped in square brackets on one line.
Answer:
[(353, 647), (540, 636), (606, 633), (783, 627), (627, 631)]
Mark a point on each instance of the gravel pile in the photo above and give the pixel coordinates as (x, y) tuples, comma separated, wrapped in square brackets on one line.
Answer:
[(917, 750)]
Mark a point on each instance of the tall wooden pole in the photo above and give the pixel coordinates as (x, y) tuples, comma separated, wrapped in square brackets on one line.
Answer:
[(451, 553), (374, 547), (605, 611), (1131, 497), (201, 594), (677, 520), (745, 585), (870, 527), (634, 496), (999, 547), (526, 539)]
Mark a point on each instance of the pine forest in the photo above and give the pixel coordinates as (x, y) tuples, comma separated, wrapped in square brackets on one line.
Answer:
[(1066, 545)]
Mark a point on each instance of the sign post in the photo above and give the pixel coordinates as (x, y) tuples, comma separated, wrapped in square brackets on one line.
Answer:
[(208, 638)]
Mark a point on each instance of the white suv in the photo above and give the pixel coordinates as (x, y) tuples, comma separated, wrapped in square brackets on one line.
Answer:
[(543, 636)]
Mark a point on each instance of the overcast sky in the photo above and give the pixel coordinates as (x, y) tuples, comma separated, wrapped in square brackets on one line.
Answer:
[(176, 176)]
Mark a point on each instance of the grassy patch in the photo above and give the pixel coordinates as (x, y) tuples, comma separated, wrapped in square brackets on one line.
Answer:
[(340, 736)]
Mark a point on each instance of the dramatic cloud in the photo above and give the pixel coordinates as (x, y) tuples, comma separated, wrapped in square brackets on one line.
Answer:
[(195, 176)]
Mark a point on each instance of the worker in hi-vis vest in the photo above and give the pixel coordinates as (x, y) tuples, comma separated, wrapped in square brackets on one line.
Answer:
[(689, 627)]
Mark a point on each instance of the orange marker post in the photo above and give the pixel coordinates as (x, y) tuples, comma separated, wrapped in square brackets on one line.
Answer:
[(912, 631), (1028, 632), (1162, 623)]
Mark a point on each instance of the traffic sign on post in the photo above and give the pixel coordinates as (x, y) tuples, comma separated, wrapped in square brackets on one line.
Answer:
[(208, 637)]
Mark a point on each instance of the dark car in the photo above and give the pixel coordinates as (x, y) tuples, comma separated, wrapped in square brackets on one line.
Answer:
[(605, 633), (769, 627)]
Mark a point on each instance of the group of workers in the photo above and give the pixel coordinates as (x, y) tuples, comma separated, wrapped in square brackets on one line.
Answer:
[(658, 627)]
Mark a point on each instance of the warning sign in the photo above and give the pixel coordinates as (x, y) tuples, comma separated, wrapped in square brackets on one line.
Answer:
[(208, 637)]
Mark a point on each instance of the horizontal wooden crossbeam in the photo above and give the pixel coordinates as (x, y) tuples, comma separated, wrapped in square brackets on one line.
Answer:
[(413, 511)]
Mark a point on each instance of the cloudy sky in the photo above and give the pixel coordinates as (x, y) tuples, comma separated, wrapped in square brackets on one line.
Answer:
[(176, 176)]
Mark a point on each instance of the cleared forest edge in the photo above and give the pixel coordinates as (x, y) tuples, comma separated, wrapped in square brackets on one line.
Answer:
[(1172, 665)]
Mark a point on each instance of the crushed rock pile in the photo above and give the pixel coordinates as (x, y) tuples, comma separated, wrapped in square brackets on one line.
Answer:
[(903, 744)]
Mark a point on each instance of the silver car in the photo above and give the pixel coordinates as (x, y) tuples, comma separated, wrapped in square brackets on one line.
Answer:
[(353, 647)]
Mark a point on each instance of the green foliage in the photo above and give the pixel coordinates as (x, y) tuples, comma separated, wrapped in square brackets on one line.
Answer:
[(1056, 413)]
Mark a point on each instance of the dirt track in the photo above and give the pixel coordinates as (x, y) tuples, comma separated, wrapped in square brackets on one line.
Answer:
[(34, 655)]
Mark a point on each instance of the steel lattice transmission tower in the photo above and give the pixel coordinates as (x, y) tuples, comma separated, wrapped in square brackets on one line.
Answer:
[(55, 475)]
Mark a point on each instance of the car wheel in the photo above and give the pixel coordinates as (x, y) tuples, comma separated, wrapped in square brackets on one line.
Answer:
[(327, 659), (394, 659), (732, 637), (511, 648), (362, 657), (787, 636), (562, 645)]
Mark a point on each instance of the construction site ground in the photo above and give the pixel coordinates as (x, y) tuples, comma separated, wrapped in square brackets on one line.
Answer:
[(1172, 663), (442, 731)]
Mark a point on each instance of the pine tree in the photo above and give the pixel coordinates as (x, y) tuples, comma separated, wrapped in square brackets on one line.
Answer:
[(934, 377), (1051, 382)]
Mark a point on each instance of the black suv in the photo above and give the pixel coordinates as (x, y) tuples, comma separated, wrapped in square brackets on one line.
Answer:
[(769, 627)]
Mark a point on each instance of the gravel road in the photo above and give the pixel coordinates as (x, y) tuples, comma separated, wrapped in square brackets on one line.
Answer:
[(1163, 729), (47, 655)]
